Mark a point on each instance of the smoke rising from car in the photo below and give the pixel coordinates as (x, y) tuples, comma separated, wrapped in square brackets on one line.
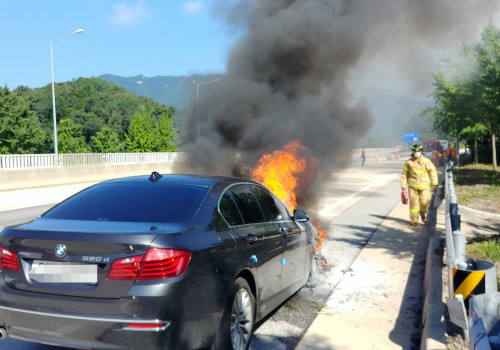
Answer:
[(295, 71), (285, 81)]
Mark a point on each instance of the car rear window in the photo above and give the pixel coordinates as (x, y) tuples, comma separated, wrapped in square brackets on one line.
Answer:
[(132, 202)]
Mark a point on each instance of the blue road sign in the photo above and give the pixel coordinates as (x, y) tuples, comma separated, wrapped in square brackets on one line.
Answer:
[(410, 137)]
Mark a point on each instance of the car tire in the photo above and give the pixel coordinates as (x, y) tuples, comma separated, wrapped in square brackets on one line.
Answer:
[(236, 328)]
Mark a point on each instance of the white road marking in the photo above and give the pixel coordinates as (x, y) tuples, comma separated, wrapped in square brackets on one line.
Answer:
[(338, 203)]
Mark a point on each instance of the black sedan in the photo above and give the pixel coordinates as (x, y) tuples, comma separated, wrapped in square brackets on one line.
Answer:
[(153, 262)]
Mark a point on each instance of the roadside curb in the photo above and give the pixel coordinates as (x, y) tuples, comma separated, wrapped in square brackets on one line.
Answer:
[(478, 212), (433, 320), (434, 325)]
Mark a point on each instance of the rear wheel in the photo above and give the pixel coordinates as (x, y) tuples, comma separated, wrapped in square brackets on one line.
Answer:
[(237, 323)]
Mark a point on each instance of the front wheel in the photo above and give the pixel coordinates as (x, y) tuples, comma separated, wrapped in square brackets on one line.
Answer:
[(237, 323)]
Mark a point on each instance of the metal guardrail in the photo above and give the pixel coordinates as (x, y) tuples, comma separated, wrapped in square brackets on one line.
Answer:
[(455, 251), (455, 239), (30, 161), (467, 278)]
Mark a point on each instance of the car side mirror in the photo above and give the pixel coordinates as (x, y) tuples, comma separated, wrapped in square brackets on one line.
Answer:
[(300, 216)]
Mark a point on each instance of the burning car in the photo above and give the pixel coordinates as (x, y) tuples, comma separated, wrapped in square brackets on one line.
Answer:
[(158, 262)]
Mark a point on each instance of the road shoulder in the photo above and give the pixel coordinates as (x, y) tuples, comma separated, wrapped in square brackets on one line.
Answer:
[(378, 303)]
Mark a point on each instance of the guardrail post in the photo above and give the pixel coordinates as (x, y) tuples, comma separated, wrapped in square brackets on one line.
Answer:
[(459, 242)]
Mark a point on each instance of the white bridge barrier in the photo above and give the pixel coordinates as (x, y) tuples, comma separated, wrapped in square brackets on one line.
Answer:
[(20, 171), (29, 171), (30, 161)]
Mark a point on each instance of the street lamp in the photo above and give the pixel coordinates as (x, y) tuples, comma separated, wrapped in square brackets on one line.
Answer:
[(197, 103), (78, 31)]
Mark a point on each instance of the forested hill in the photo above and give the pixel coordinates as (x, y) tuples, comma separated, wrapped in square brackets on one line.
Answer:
[(93, 115), (169, 90)]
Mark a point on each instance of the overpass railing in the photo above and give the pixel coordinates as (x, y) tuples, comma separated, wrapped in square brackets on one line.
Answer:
[(29, 161)]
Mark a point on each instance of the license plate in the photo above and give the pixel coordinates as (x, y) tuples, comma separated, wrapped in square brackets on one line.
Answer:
[(58, 272)]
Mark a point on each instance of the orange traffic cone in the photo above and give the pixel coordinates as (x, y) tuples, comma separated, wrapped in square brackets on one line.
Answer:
[(376, 158)]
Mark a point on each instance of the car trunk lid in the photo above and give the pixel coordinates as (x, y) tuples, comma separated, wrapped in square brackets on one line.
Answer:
[(56, 259)]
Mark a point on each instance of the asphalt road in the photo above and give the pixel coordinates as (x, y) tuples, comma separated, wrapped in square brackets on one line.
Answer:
[(354, 204)]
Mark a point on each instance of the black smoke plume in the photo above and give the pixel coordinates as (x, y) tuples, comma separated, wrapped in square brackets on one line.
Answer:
[(289, 76)]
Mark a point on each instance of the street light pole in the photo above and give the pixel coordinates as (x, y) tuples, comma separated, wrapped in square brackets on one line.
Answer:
[(78, 31), (197, 102)]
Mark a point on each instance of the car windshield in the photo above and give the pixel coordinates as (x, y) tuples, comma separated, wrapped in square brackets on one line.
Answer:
[(132, 202)]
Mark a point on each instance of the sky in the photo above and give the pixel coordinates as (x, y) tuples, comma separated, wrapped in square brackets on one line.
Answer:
[(352, 50), (176, 37), (126, 38)]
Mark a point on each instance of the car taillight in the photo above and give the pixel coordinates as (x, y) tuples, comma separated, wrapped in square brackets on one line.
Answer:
[(9, 260), (126, 268), (157, 263)]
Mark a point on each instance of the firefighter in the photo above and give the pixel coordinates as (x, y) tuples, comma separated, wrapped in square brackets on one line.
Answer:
[(454, 154), (435, 157), (419, 174)]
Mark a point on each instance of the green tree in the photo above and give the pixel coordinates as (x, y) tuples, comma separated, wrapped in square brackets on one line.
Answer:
[(107, 141), (488, 62), (168, 134), (70, 137), (142, 135), (20, 130), (91, 103), (457, 108), (476, 133), (469, 103)]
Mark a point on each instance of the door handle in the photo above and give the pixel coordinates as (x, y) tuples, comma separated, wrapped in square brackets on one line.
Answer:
[(282, 231), (251, 238)]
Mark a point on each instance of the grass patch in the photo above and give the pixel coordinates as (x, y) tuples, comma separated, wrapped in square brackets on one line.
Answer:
[(485, 250), (477, 186), (476, 174)]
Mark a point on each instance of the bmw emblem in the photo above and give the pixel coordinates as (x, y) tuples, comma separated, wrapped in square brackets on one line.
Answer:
[(61, 250)]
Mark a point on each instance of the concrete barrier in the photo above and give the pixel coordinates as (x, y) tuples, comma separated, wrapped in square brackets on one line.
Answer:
[(42, 177)]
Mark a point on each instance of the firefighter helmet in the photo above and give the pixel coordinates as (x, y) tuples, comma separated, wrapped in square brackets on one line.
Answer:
[(417, 148)]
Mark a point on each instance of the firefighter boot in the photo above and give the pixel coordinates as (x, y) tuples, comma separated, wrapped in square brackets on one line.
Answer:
[(424, 218)]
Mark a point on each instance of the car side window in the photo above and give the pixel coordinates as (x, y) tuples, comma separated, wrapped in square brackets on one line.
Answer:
[(284, 212), (268, 204), (229, 210), (247, 204)]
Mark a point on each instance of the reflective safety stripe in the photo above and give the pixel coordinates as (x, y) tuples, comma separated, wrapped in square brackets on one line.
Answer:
[(414, 210), (423, 210), (420, 187), (418, 171)]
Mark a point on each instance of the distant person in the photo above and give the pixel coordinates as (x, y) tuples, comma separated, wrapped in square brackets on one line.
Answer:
[(435, 157), (454, 153), (363, 157), (448, 154), (419, 174), (397, 151)]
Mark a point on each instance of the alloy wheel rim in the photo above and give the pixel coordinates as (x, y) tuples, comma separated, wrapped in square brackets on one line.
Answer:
[(241, 320)]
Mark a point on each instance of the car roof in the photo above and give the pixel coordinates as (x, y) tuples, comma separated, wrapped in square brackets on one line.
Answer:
[(187, 179)]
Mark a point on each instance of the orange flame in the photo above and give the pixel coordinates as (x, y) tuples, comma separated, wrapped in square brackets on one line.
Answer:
[(321, 236), (287, 173), (282, 170)]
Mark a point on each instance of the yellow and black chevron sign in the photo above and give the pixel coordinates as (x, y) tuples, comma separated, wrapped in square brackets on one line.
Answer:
[(468, 283)]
